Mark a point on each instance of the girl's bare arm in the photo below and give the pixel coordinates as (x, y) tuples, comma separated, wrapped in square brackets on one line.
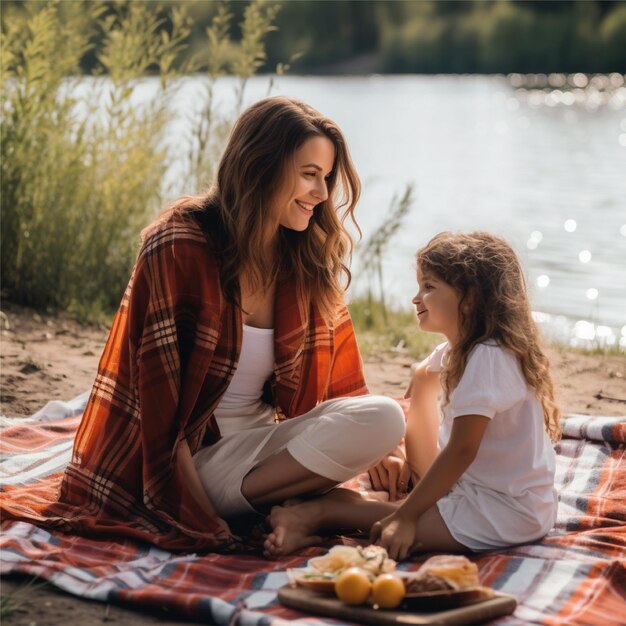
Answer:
[(448, 467)]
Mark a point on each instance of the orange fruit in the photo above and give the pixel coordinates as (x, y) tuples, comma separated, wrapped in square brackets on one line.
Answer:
[(388, 591), (353, 586)]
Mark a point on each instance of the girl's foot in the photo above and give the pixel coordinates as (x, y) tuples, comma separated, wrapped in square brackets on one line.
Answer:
[(293, 527)]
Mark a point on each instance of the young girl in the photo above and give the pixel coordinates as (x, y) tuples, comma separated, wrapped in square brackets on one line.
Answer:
[(489, 480)]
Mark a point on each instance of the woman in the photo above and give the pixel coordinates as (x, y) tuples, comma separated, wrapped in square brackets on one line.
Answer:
[(234, 314)]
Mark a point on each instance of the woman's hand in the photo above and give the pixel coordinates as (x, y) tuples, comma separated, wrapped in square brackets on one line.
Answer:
[(396, 533), (392, 474), (223, 527)]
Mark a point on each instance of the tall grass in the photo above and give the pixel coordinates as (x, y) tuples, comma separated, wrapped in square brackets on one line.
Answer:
[(12, 601), (84, 159), (379, 327), (395, 330), (372, 251), (220, 56)]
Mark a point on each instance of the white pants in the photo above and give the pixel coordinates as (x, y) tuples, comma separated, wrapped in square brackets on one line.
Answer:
[(338, 439)]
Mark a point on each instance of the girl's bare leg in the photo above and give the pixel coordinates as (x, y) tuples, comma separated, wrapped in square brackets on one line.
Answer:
[(433, 534)]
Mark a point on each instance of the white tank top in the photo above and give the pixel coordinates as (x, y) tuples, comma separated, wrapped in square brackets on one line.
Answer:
[(241, 406)]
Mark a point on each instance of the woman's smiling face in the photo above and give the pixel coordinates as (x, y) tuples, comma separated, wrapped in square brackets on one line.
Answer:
[(306, 185), (437, 306)]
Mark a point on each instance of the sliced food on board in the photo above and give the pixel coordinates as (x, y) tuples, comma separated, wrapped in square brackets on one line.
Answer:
[(366, 575), (322, 571)]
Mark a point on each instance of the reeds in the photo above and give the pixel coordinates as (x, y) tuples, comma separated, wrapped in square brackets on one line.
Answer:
[(372, 251), (395, 331), (84, 159), (379, 326)]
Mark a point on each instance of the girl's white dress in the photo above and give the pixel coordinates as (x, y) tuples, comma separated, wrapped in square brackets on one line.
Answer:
[(506, 496)]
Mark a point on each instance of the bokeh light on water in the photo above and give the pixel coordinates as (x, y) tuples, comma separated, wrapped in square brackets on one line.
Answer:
[(534, 240), (581, 333), (543, 281), (537, 159)]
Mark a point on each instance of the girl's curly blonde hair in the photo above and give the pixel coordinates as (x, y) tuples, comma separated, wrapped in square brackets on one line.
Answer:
[(494, 304)]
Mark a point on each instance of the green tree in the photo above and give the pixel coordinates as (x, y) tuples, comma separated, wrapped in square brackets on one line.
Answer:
[(613, 39)]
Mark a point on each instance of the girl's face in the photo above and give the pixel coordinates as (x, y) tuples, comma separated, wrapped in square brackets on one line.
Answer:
[(437, 306), (306, 185)]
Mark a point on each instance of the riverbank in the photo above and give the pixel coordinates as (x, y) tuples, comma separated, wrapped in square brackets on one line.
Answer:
[(48, 357)]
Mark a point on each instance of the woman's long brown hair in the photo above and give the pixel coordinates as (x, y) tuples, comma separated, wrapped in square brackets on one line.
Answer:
[(494, 304), (237, 212)]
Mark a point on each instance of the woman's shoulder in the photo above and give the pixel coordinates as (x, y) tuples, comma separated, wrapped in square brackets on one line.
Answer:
[(171, 228), (176, 252), (175, 231)]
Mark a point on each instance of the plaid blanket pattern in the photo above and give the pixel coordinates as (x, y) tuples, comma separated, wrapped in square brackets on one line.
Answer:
[(576, 575)]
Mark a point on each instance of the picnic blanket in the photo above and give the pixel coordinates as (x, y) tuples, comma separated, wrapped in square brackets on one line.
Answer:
[(576, 575)]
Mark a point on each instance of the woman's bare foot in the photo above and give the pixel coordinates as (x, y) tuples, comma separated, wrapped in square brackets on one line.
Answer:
[(299, 524), (293, 527)]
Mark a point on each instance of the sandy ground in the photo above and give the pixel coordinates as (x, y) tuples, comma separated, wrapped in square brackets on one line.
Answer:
[(48, 357)]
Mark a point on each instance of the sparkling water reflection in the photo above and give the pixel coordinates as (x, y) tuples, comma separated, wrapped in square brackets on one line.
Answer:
[(545, 170), (538, 159)]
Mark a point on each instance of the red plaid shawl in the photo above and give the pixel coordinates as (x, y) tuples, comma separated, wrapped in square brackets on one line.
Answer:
[(173, 348)]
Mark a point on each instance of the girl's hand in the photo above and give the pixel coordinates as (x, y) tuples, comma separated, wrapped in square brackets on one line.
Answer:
[(392, 474), (395, 533)]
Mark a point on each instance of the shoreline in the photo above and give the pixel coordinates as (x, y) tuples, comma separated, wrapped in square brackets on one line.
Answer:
[(52, 357)]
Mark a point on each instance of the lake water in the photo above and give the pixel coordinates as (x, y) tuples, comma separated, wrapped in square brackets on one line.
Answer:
[(544, 168)]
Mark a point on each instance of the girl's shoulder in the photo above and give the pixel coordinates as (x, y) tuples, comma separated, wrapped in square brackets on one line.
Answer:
[(492, 381), (485, 356), (491, 351), (491, 363)]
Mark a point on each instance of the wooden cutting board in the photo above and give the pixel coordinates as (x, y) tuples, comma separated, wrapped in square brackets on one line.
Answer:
[(309, 601)]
